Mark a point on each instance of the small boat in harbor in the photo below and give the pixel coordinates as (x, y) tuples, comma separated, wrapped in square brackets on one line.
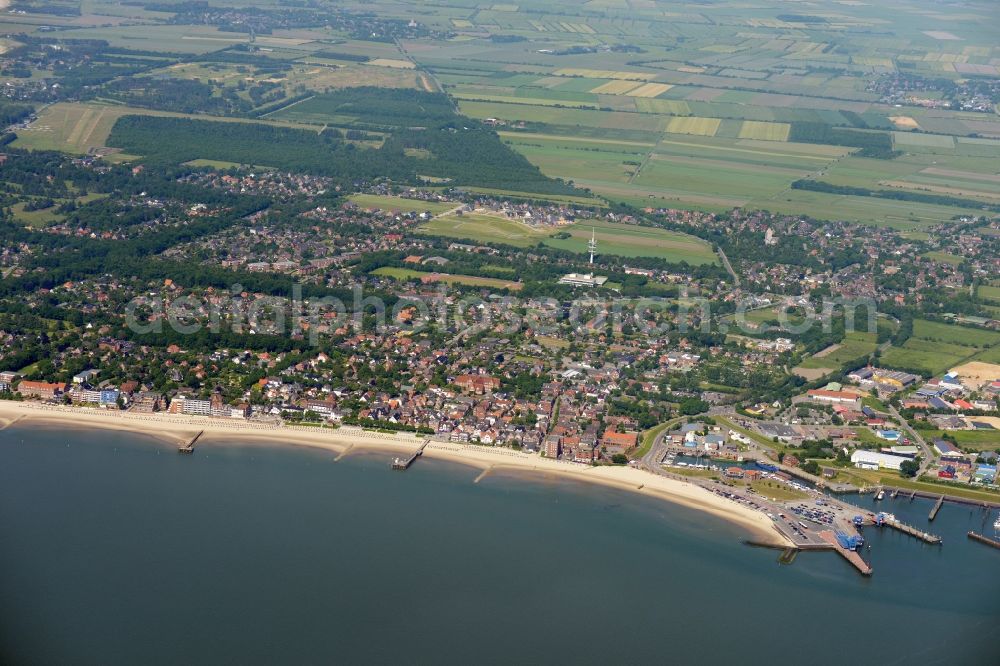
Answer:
[(881, 495)]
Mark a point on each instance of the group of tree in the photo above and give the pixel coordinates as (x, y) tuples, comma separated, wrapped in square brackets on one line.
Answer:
[(873, 144), (898, 195)]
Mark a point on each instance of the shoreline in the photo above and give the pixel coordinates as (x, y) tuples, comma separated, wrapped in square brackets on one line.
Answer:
[(343, 440)]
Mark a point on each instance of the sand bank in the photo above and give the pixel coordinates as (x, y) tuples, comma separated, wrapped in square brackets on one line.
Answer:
[(175, 430)]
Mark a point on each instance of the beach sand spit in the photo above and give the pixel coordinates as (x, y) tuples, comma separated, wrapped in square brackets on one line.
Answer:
[(175, 430)]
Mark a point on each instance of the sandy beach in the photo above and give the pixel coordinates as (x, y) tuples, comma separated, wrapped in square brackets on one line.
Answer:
[(175, 430)]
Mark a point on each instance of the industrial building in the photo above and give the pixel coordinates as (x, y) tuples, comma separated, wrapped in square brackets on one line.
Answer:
[(874, 460)]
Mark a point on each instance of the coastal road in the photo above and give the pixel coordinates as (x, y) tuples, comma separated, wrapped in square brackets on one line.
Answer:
[(928, 453), (788, 526)]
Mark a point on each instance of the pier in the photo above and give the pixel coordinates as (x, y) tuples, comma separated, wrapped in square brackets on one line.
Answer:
[(188, 446), (937, 507), (926, 537), (404, 463), (911, 494), (981, 538), (849, 555)]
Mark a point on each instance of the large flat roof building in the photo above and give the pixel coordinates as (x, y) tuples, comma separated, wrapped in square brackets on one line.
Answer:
[(874, 460), (583, 280)]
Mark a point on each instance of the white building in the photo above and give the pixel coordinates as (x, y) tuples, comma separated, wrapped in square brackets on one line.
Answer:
[(191, 406), (875, 461), (84, 377), (951, 382), (583, 280)]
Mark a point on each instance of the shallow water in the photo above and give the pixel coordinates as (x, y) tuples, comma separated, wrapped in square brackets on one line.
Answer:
[(117, 550)]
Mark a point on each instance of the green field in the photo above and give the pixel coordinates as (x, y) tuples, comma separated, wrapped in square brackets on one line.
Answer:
[(74, 127), (989, 292), (400, 204), (929, 362), (613, 239), (971, 440), (634, 241), (36, 218), (853, 346), (953, 333), (406, 274), (47, 216), (221, 165), (945, 257), (640, 101), (71, 128), (936, 347), (483, 229), (749, 79)]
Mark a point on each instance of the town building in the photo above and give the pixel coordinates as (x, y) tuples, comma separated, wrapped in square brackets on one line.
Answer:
[(824, 395), (478, 384), (43, 390)]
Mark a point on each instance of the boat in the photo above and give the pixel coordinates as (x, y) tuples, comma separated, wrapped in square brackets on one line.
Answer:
[(881, 495), (996, 523)]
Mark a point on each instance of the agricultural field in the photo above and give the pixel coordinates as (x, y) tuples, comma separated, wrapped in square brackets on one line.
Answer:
[(740, 92), (755, 129), (954, 334), (639, 102), (936, 347)]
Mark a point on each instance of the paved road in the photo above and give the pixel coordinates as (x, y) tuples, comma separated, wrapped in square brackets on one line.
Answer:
[(928, 453), (789, 525), (729, 268)]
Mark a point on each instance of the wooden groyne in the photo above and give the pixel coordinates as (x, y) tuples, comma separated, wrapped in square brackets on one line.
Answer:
[(404, 463), (188, 446), (912, 495), (934, 509), (12, 422), (983, 539), (343, 453)]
